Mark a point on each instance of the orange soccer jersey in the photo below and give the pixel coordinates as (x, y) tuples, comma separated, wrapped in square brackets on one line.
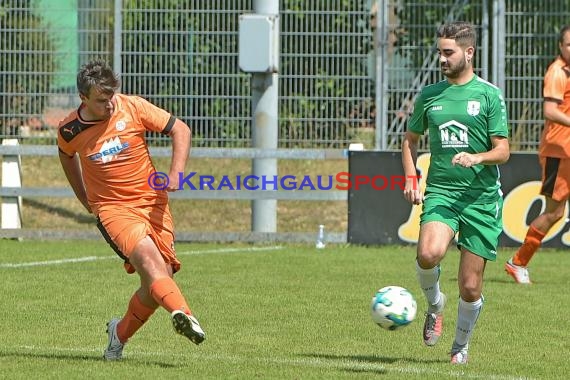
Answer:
[(114, 157), (555, 140), (116, 166)]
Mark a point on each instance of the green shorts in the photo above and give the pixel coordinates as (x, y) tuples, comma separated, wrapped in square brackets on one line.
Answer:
[(479, 225)]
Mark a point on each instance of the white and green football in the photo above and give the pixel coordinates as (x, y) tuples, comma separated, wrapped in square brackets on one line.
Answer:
[(393, 307)]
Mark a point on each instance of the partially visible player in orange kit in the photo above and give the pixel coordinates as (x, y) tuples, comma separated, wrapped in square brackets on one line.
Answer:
[(554, 155), (104, 155)]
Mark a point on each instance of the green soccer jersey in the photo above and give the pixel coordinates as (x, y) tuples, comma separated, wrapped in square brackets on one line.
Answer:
[(461, 118)]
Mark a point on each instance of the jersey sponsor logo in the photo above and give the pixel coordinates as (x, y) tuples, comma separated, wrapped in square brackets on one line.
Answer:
[(453, 134), (109, 150), (473, 107), (437, 108)]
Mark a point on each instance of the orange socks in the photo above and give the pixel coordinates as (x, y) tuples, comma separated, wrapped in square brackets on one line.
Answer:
[(530, 245), (167, 294), (137, 314)]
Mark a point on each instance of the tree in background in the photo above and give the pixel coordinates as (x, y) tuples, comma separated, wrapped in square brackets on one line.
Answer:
[(323, 106), (189, 66), (526, 62), (185, 59), (526, 59)]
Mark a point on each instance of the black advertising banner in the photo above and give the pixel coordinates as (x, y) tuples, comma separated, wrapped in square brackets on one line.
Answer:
[(378, 213)]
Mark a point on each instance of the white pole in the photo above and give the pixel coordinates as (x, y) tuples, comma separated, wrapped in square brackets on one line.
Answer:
[(265, 129)]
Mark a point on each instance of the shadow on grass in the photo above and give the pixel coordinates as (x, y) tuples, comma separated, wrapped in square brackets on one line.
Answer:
[(81, 358), (60, 211)]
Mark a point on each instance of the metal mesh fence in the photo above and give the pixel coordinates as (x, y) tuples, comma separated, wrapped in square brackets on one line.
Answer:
[(531, 41), (184, 59), (411, 57), (183, 55), (326, 93), (526, 42)]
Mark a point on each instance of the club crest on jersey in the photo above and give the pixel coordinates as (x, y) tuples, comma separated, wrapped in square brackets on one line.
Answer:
[(120, 126), (473, 107)]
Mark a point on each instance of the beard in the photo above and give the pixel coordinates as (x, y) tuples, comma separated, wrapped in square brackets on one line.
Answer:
[(453, 71)]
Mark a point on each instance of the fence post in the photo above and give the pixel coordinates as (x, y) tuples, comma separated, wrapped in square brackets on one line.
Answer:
[(265, 125), (381, 84), (11, 177), (499, 44)]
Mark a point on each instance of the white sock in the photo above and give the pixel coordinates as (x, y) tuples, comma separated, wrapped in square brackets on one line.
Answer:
[(429, 282), (467, 314)]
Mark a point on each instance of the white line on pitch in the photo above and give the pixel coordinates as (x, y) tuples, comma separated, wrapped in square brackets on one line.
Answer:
[(50, 262), (341, 364), (110, 256)]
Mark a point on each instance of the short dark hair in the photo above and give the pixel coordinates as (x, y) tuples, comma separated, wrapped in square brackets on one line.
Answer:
[(563, 31), (97, 74), (461, 31)]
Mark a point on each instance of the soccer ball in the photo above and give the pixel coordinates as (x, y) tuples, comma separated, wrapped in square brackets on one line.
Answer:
[(393, 307)]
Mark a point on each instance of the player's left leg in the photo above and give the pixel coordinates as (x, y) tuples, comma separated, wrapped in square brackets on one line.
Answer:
[(539, 227), (556, 190), (155, 276), (478, 240), (470, 280), (183, 320)]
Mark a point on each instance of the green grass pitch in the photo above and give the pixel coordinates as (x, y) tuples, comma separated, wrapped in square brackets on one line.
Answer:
[(271, 312)]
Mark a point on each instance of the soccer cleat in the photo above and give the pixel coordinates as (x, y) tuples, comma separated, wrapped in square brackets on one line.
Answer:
[(114, 350), (459, 354), (188, 326), (518, 272), (433, 325)]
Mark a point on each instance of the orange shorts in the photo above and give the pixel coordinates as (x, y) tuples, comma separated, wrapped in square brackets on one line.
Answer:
[(555, 177), (124, 226)]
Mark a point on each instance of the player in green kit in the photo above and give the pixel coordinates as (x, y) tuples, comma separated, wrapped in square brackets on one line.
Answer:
[(466, 121)]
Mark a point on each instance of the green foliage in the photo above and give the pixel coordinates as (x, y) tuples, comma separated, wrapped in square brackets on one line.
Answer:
[(524, 55), (162, 72), (530, 43), (189, 66), (198, 80), (320, 108), (528, 58), (27, 56), (430, 17)]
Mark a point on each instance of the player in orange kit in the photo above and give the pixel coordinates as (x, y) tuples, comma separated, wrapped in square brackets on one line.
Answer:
[(554, 156), (105, 158)]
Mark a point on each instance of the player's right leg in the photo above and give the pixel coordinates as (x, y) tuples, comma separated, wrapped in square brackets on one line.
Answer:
[(435, 236)]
